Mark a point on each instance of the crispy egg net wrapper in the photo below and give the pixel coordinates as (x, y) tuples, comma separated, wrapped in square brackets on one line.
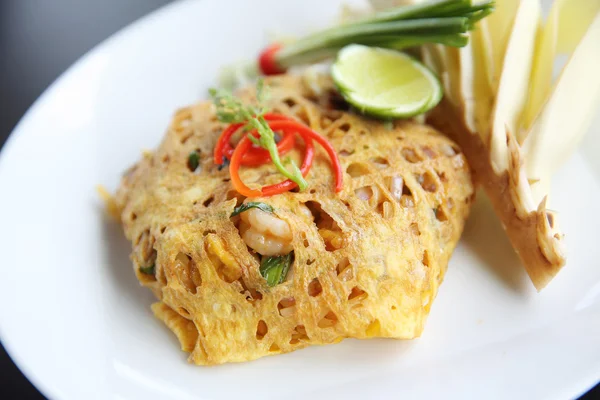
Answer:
[(368, 263)]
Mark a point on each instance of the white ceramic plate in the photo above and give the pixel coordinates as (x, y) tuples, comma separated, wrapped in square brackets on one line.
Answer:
[(75, 320)]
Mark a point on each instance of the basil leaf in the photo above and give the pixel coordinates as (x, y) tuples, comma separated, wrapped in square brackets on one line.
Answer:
[(252, 204), (193, 160), (147, 270), (275, 269)]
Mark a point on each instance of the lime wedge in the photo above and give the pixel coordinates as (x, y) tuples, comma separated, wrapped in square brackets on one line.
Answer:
[(385, 83)]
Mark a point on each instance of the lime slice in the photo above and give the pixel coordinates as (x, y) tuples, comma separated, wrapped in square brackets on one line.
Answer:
[(385, 83)]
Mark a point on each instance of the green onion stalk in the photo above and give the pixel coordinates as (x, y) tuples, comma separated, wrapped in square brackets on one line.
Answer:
[(444, 22)]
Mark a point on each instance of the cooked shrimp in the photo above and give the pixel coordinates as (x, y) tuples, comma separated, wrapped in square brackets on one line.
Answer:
[(265, 233)]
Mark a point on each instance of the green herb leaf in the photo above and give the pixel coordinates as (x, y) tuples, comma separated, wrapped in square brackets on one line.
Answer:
[(193, 160), (147, 270), (275, 269), (261, 92), (252, 204)]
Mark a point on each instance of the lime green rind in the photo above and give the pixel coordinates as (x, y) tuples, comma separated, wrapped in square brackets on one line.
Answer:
[(363, 93)]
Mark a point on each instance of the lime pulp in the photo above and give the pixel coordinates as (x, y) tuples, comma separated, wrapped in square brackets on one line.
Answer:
[(385, 83)]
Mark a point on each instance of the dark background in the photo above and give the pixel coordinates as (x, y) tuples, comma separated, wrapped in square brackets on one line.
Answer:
[(38, 40)]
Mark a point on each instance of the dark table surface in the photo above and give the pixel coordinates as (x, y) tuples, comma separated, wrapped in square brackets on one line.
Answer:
[(38, 40)]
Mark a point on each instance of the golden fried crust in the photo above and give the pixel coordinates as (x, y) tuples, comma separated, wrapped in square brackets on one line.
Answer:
[(377, 277)]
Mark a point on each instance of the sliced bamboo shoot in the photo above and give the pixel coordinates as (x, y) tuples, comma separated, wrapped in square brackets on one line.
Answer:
[(498, 28), (475, 91), (541, 72), (514, 80), (436, 57), (575, 18), (452, 59), (564, 29), (568, 112), (487, 48)]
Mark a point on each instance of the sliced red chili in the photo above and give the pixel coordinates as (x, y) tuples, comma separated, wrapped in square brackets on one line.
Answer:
[(270, 190), (266, 60), (254, 156), (288, 184), (304, 130), (289, 128), (236, 161), (219, 153), (259, 156)]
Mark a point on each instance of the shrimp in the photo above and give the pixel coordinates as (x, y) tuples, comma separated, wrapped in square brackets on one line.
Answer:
[(267, 234)]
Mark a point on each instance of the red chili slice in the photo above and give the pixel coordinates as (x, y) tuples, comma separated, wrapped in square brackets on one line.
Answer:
[(304, 130), (289, 127), (288, 184), (270, 190), (234, 166), (254, 156), (266, 60)]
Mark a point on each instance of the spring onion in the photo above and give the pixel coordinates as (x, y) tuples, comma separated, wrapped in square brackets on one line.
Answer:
[(442, 21)]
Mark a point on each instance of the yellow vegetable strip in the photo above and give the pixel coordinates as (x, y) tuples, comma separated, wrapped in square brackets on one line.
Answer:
[(514, 80), (498, 28), (569, 110), (564, 29)]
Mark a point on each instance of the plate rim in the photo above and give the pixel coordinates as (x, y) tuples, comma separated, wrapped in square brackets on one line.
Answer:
[(40, 383), (46, 388)]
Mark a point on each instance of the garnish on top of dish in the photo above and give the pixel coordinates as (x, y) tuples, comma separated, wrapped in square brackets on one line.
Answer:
[(303, 209), (257, 146)]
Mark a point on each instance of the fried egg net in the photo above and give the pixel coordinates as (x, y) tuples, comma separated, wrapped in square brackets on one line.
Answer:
[(368, 262)]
